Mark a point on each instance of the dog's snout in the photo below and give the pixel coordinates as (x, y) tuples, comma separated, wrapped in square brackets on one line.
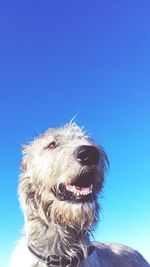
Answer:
[(87, 155)]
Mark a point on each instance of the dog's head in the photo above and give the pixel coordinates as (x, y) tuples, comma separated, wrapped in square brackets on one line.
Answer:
[(62, 173)]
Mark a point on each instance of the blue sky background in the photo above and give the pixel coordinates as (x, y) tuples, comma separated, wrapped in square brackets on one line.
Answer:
[(60, 58)]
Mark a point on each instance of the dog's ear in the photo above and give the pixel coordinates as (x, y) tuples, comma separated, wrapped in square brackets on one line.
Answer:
[(24, 165)]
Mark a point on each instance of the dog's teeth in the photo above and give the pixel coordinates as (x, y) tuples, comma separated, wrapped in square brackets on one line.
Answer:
[(73, 190)]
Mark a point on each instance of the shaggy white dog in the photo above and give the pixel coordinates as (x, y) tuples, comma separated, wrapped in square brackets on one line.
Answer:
[(62, 175)]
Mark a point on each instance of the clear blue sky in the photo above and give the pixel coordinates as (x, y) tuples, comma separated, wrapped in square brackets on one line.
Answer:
[(60, 58)]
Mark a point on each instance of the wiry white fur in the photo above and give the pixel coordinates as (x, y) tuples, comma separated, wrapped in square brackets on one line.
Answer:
[(52, 225)]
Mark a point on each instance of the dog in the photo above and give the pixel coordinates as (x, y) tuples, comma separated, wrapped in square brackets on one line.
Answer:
[(63, 173)]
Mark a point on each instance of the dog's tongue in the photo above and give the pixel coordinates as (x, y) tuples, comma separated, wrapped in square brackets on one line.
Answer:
[(79, 190)]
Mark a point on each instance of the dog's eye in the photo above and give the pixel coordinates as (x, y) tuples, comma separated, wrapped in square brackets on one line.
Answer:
[(51, 145)]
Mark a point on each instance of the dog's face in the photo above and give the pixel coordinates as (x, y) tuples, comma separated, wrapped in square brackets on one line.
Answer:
[(62, 167)]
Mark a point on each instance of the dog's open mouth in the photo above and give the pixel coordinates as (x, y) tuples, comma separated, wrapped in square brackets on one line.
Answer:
[(81, 189)]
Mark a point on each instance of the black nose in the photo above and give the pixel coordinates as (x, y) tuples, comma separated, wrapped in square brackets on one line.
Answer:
[(87, 155)]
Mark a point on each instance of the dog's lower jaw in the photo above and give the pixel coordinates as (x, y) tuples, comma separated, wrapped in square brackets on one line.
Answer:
[(80, 216)]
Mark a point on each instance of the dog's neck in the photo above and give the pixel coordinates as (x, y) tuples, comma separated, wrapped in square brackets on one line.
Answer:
[(58, 240)]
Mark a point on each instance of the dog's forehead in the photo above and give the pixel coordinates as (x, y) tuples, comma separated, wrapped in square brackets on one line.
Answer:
[(68, 131), (73, 129)]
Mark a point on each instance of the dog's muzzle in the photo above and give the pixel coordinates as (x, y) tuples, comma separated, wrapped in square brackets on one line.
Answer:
[(81, 187)]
